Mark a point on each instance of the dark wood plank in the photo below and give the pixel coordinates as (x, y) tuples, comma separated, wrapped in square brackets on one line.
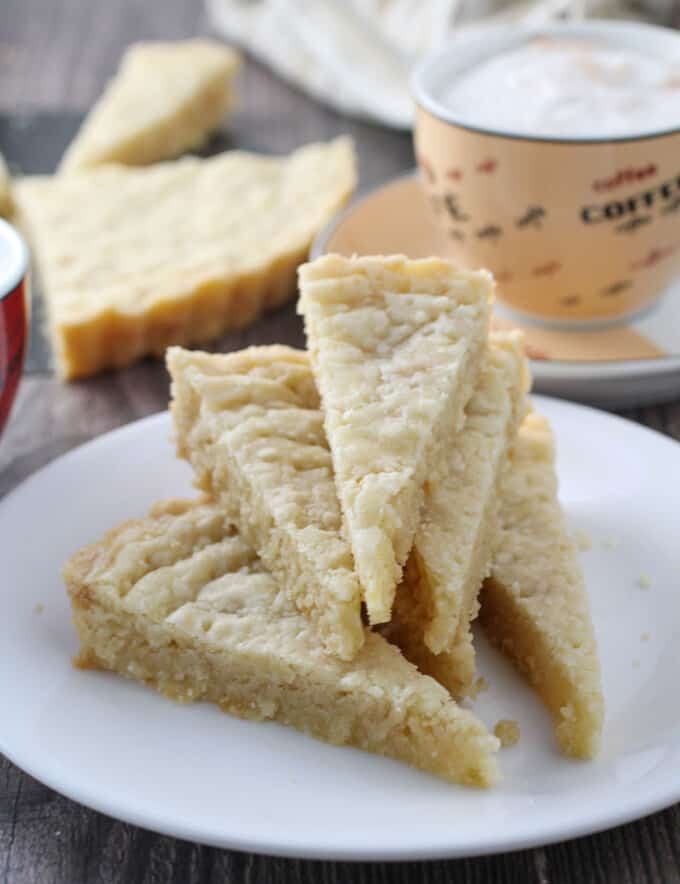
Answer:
[(50, 839), (54, 59), (59, 54)]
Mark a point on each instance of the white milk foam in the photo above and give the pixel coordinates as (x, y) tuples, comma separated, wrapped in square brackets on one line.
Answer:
[(568, 88)]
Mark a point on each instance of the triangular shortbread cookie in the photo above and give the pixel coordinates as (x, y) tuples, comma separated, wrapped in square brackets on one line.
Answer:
[(133, 260), (396, 346), (165, 99), (180, 602), (451, 554), (249, 424), (535, 606), (5, 189)]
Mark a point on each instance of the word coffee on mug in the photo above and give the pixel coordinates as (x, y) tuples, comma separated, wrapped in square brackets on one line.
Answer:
[(551, 157), (569, 88)]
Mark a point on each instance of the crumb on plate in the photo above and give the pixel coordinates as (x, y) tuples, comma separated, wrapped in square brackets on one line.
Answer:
[(480, 685), (507, 731)]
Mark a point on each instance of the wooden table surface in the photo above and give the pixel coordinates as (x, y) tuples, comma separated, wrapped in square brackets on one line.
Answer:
[(54, 59)]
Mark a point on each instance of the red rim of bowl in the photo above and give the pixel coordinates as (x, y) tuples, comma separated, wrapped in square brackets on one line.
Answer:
[(17, 259)]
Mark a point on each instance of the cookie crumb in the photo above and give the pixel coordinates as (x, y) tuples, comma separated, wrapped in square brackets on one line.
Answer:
[(644, 581), (507, 731), (583, 540), (645, 637), (39, 608), (480, 685), (610, 543)]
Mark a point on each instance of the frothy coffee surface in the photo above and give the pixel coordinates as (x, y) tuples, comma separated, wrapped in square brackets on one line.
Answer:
[(569, 88)]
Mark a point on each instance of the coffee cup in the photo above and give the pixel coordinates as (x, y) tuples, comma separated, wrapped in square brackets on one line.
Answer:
[(580, 225), (14, 315)]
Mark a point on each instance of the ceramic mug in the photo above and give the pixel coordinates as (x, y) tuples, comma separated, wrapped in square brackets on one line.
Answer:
[(575, 230), (14, 315)]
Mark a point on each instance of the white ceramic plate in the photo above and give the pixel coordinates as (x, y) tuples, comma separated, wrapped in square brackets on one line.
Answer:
[(193, 772)]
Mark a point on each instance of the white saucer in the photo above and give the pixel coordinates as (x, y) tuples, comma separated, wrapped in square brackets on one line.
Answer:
[(193, 772), (617, 365)]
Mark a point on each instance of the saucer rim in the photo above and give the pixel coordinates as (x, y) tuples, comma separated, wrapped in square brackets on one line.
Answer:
[(543, 369)]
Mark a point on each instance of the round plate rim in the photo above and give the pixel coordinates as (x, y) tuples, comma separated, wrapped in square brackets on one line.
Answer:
[(551, 833)]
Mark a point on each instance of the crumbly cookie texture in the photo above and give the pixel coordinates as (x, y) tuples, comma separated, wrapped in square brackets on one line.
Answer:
[(182, 603), (6, 203), (508, 732), (534, 606), (396, 347), (165, 99), (134, 260), (451, 556), (250, 425)]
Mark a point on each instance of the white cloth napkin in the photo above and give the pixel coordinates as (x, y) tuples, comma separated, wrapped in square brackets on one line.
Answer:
[(357, 55)]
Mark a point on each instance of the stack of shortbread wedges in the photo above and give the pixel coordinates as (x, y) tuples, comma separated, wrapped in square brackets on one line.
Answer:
[(363, 502)]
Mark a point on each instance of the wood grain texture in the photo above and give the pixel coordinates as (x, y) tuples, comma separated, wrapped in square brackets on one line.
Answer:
[(55, 57)]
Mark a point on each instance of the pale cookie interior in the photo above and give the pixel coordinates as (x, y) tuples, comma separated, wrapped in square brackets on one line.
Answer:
[(437, 600), (6, 202), (250, 425), (176, 253), (396, 346), (535, 606), (180, 602)]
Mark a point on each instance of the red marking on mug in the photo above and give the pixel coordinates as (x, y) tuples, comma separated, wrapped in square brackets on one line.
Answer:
[(653, 257), (570, 300), (488, 166), (454, 174), (629, 175), (547, 269), (13, 326), (616, 288), (535, 352)]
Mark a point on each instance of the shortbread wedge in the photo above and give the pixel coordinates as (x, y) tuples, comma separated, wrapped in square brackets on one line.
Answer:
[(250, 425), (451, 554), (133, 260), (165, 99), (181, 603), (5, 189), (534, 607), (396, 347)]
